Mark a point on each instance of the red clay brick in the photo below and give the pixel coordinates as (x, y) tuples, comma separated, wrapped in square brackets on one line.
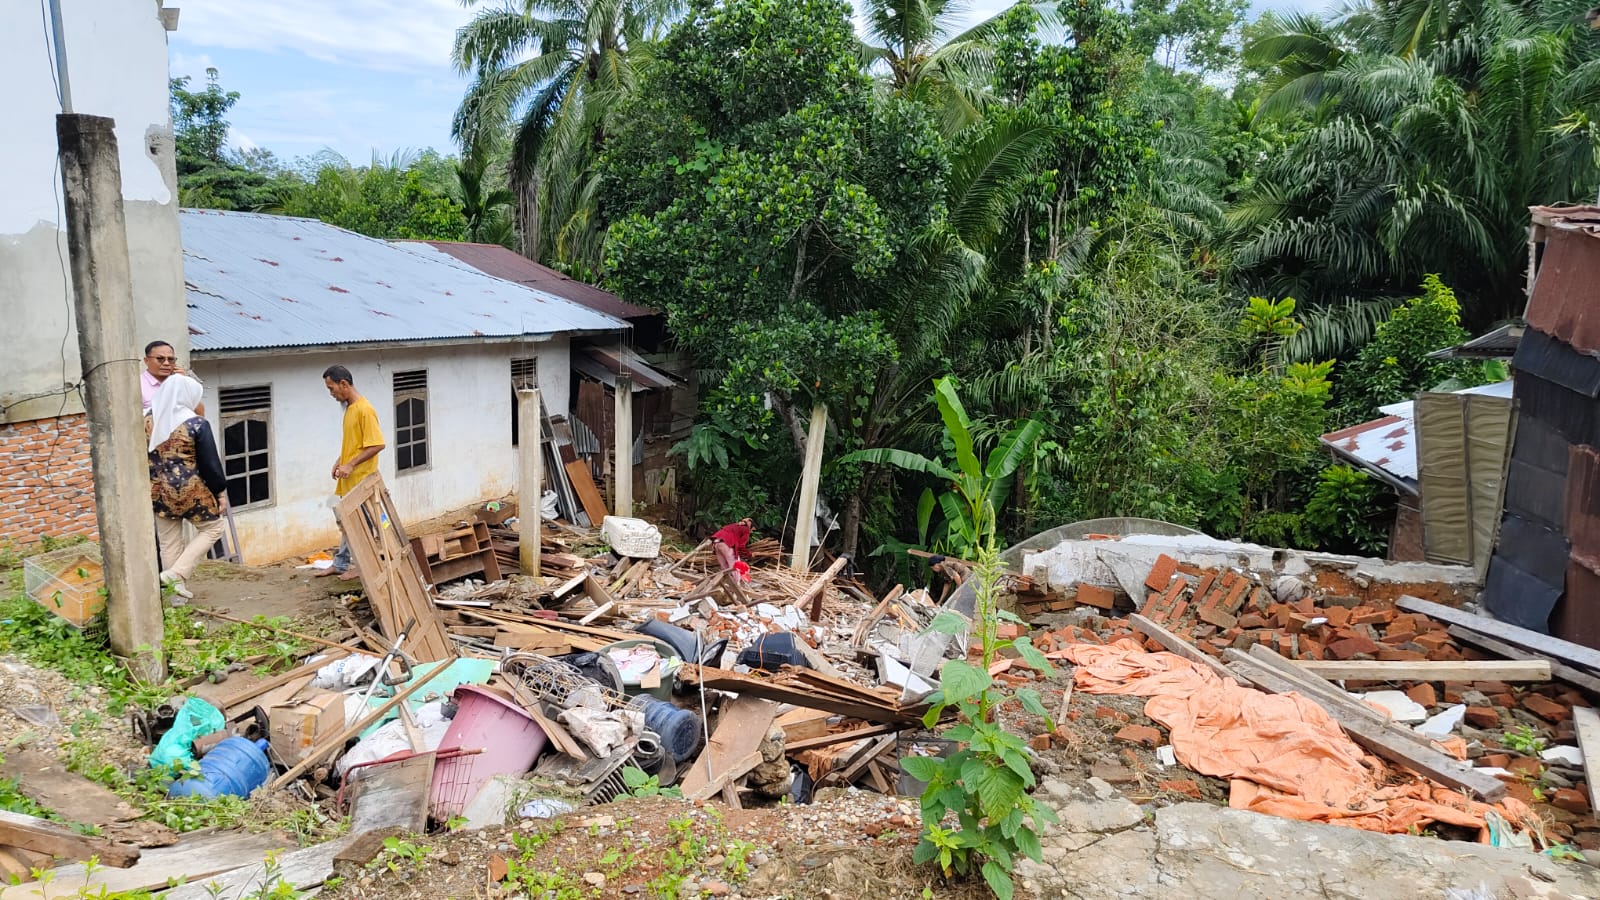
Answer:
[(1187, 787), (1139, 734), (1546, 709), (1395, 638), (1209, 579), (1310, 649), (1040, 742), (1394, 654), (1433, 640), (1252, 620), (1504, 700), (1217, 616), (1097, 596), (1483, 716), (1362, 615), (1235, 598), (1161, 573), (1178, 609), (1423, 694), (1570, 800), (1491, 687), (1337, 616), (1525, 766), (1495, 760), (1350, 647)]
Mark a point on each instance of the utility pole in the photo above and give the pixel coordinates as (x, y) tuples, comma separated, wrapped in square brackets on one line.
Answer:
[(810, 478), (530, 480), (97, 241), (622, 472)]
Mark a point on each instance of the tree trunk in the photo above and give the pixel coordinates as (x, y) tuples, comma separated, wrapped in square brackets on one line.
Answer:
[(797, 432), (850, 529), (528, 217)]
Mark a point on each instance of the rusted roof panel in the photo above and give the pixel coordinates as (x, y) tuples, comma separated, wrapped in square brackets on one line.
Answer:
[(258, 281), (1564, 290)]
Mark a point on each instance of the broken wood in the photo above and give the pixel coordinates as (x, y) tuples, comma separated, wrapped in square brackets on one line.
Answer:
[(790, 686), (195, 858), (389, 570), (304, 670), (741, 728), (302, 870), (829, 740), (73, 798), (853, 769), (44, 836), (598, 612), (594, 506), (1382, 740), (1558, 670), (1315, 686), (818, 588), (299, 636), (1578, 655), (1586, 722), (688, 556), (1450, 670), (865, 626), (1180, 646), (800, 724)]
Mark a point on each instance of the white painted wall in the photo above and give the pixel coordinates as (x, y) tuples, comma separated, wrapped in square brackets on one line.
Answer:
[(469, 408), (117, 67)]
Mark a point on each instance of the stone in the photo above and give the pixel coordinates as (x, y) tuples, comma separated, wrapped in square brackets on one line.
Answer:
[(1400, 707), (1113, 774), (1566, 755), (1440, 725), (711, 887), (596, 879)]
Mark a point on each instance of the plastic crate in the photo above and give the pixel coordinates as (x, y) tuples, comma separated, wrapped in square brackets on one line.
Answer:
[(67, 582)]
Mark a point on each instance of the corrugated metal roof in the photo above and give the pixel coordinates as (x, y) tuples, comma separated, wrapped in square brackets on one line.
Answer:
[(257, 281), (1387, 447), (604, 364), (1500, 343), (502, 262), (1563, 290), (1555, 360)]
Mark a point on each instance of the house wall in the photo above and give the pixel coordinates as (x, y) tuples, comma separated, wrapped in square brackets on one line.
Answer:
[(117, 61), (470, 457), (46, 480)]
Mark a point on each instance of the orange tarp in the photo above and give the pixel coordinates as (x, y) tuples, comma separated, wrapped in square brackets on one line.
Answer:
[(1283, 754)]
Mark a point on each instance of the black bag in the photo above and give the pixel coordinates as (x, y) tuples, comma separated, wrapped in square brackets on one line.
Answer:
[(772, 652)]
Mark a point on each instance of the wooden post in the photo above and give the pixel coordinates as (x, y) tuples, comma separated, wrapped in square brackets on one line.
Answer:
[(102, 288), (622, 471), (806, 521), (530, 480)]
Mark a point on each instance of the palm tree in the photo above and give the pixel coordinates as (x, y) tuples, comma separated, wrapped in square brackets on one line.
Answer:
[(484, 206), (550, 73)]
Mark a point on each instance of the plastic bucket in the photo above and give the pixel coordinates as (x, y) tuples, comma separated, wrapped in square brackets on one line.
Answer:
[(630, 685), (236, 766), (679, 728), (510, 739)]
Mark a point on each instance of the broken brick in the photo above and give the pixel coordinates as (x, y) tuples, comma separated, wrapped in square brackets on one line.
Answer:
[(1398, 637), (1504, 700), (1217, 616), (1545, 708), (1395, 654), (1040, 742), (1161, 573), (1139, 734), (1525, 766), (1205, 584), (1495, 760), (1235, 598), (1188, 787), (1252, 620), (1310, 649), (1349, 647), (1423, 694), (1433, 640), (1106, 712), (1367, 616), (1337, 616), (1491, 687), (1483, 716), (1113, 774), (1097, 596)]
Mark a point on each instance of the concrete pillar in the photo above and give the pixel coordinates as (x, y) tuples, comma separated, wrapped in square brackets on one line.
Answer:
[(810, 477), (530, 480), (622, 472), (97, 241)]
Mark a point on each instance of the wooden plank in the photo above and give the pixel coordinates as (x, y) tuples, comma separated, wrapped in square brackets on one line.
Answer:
[(1450, 670), (818, 588), (874, 750), (800, 724), (1586, 721), (829, 740), (1558, 671), (393, 795), (741, 728), (304, 670), (1378, 739), (688, 556), (1319, 688), (594, 506), (195, 858), (303, 869), (1180, 646), (799, 695), (74, 798), (597, 613), (44, 836), (389, 570), (1587, 657)]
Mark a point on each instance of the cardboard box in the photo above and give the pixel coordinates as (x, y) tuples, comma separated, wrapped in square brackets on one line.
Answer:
[(295, 727)]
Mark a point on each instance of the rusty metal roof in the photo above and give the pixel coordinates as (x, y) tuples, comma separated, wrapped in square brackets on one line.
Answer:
[(502, 262), (1563, 289), (258, 281), (1387, 447)]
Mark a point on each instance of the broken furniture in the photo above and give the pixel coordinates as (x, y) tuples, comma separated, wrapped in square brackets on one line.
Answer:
[(458, 553)]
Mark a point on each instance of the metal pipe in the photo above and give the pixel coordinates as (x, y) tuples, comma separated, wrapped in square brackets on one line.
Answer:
[(58, 34)]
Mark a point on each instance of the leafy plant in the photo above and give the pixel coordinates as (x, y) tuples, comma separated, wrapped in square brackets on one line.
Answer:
[(1524, 740), (640, 784), (399, 854), (1348, 511), (985, 783)]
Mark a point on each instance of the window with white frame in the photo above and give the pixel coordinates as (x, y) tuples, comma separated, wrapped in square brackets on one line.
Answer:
[(246, 416), (410, 420), (524, 377)]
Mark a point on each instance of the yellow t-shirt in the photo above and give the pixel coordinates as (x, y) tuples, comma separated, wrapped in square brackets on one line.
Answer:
[(360, 432)]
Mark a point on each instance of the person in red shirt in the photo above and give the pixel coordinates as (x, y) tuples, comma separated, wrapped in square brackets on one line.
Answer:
[(731, 542)]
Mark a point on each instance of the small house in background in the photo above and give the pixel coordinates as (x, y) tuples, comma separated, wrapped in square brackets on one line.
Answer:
[(437, 346), (1444, 454), (662, 416)]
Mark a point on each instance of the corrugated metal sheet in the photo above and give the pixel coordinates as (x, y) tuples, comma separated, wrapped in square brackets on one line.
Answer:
[(1555, 360), (1570, 415), (1500, 343), (1539, 551), (1512, 595), (1387, 447), (1539, 495), (1576, 616), (257, 281), (604, 364), (1462, 443), (1563, 291), (510, 265)]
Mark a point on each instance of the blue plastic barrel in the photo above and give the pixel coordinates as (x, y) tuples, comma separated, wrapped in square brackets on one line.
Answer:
[(236, 766), (679, 728)]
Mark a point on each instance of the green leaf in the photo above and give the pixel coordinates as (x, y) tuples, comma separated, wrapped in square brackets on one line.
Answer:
[(925, 853), (998, 789), (1032, 702), (922, 768), (1031, 655), (962, 733), (1028, 843), (924, 515), (957, 425), (950, 622), (960, 680), (904, 459), (998, 879), (1014, 449)]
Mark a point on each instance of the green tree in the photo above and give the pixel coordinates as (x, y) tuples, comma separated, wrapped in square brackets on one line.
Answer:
[(552, 73), (1395, 365), (406, 196), (209, 174)]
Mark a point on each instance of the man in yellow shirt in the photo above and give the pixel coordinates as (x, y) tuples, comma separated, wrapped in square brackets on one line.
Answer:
[(358, 454)]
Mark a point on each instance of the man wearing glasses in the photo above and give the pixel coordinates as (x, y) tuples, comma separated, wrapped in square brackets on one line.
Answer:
[(160, 363)]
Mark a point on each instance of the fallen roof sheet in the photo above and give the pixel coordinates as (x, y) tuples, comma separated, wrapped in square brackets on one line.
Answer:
[(508, 264), (1387, 447), (258, 281), (604, 364), (1501, 343)]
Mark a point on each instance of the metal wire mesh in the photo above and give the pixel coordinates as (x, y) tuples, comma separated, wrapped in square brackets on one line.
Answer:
[(562, 684)]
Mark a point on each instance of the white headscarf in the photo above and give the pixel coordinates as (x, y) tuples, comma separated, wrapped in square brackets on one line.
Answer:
[(173, 405)]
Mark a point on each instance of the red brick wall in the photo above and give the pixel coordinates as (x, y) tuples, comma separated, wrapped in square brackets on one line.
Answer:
[(46, 480)]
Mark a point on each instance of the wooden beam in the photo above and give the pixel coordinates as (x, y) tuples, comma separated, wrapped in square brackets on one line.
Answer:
[(818, 588), (1451, 670), (43, 836), (530, 481), (622, 453), (1558, 671), (874, 750), (1382, 740), (1180, 646), (1588, 657), (1587, 723), (1319, 688), (598, 612), (734, 748), (805, 522), (829, 740)]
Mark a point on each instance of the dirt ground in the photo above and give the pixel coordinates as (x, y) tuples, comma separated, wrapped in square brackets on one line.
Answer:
[(271, 591)]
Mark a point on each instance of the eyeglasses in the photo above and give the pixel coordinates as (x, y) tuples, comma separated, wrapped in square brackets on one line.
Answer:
[(164, 359)]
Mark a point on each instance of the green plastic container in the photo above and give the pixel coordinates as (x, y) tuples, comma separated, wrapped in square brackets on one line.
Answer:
[(630, 686)]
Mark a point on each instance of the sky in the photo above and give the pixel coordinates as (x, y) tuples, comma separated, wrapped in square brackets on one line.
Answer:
[(358, 77)]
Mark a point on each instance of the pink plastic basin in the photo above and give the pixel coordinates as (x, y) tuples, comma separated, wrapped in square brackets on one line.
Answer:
[(510, 739)]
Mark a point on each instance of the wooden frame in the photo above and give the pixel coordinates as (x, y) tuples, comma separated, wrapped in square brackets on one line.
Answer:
[(389, 571), (229, 417)]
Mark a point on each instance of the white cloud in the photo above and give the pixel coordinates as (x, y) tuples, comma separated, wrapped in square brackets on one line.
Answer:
[(376, 34), (183, 64)]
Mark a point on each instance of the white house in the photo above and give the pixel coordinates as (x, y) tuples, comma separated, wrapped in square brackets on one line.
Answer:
[(434, 344)]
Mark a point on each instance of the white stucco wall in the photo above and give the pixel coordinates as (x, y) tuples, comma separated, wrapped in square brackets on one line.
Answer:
[(117, 61), (469, 409)]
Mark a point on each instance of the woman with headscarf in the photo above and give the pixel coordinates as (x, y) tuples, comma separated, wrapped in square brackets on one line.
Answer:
[(187, 483)]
